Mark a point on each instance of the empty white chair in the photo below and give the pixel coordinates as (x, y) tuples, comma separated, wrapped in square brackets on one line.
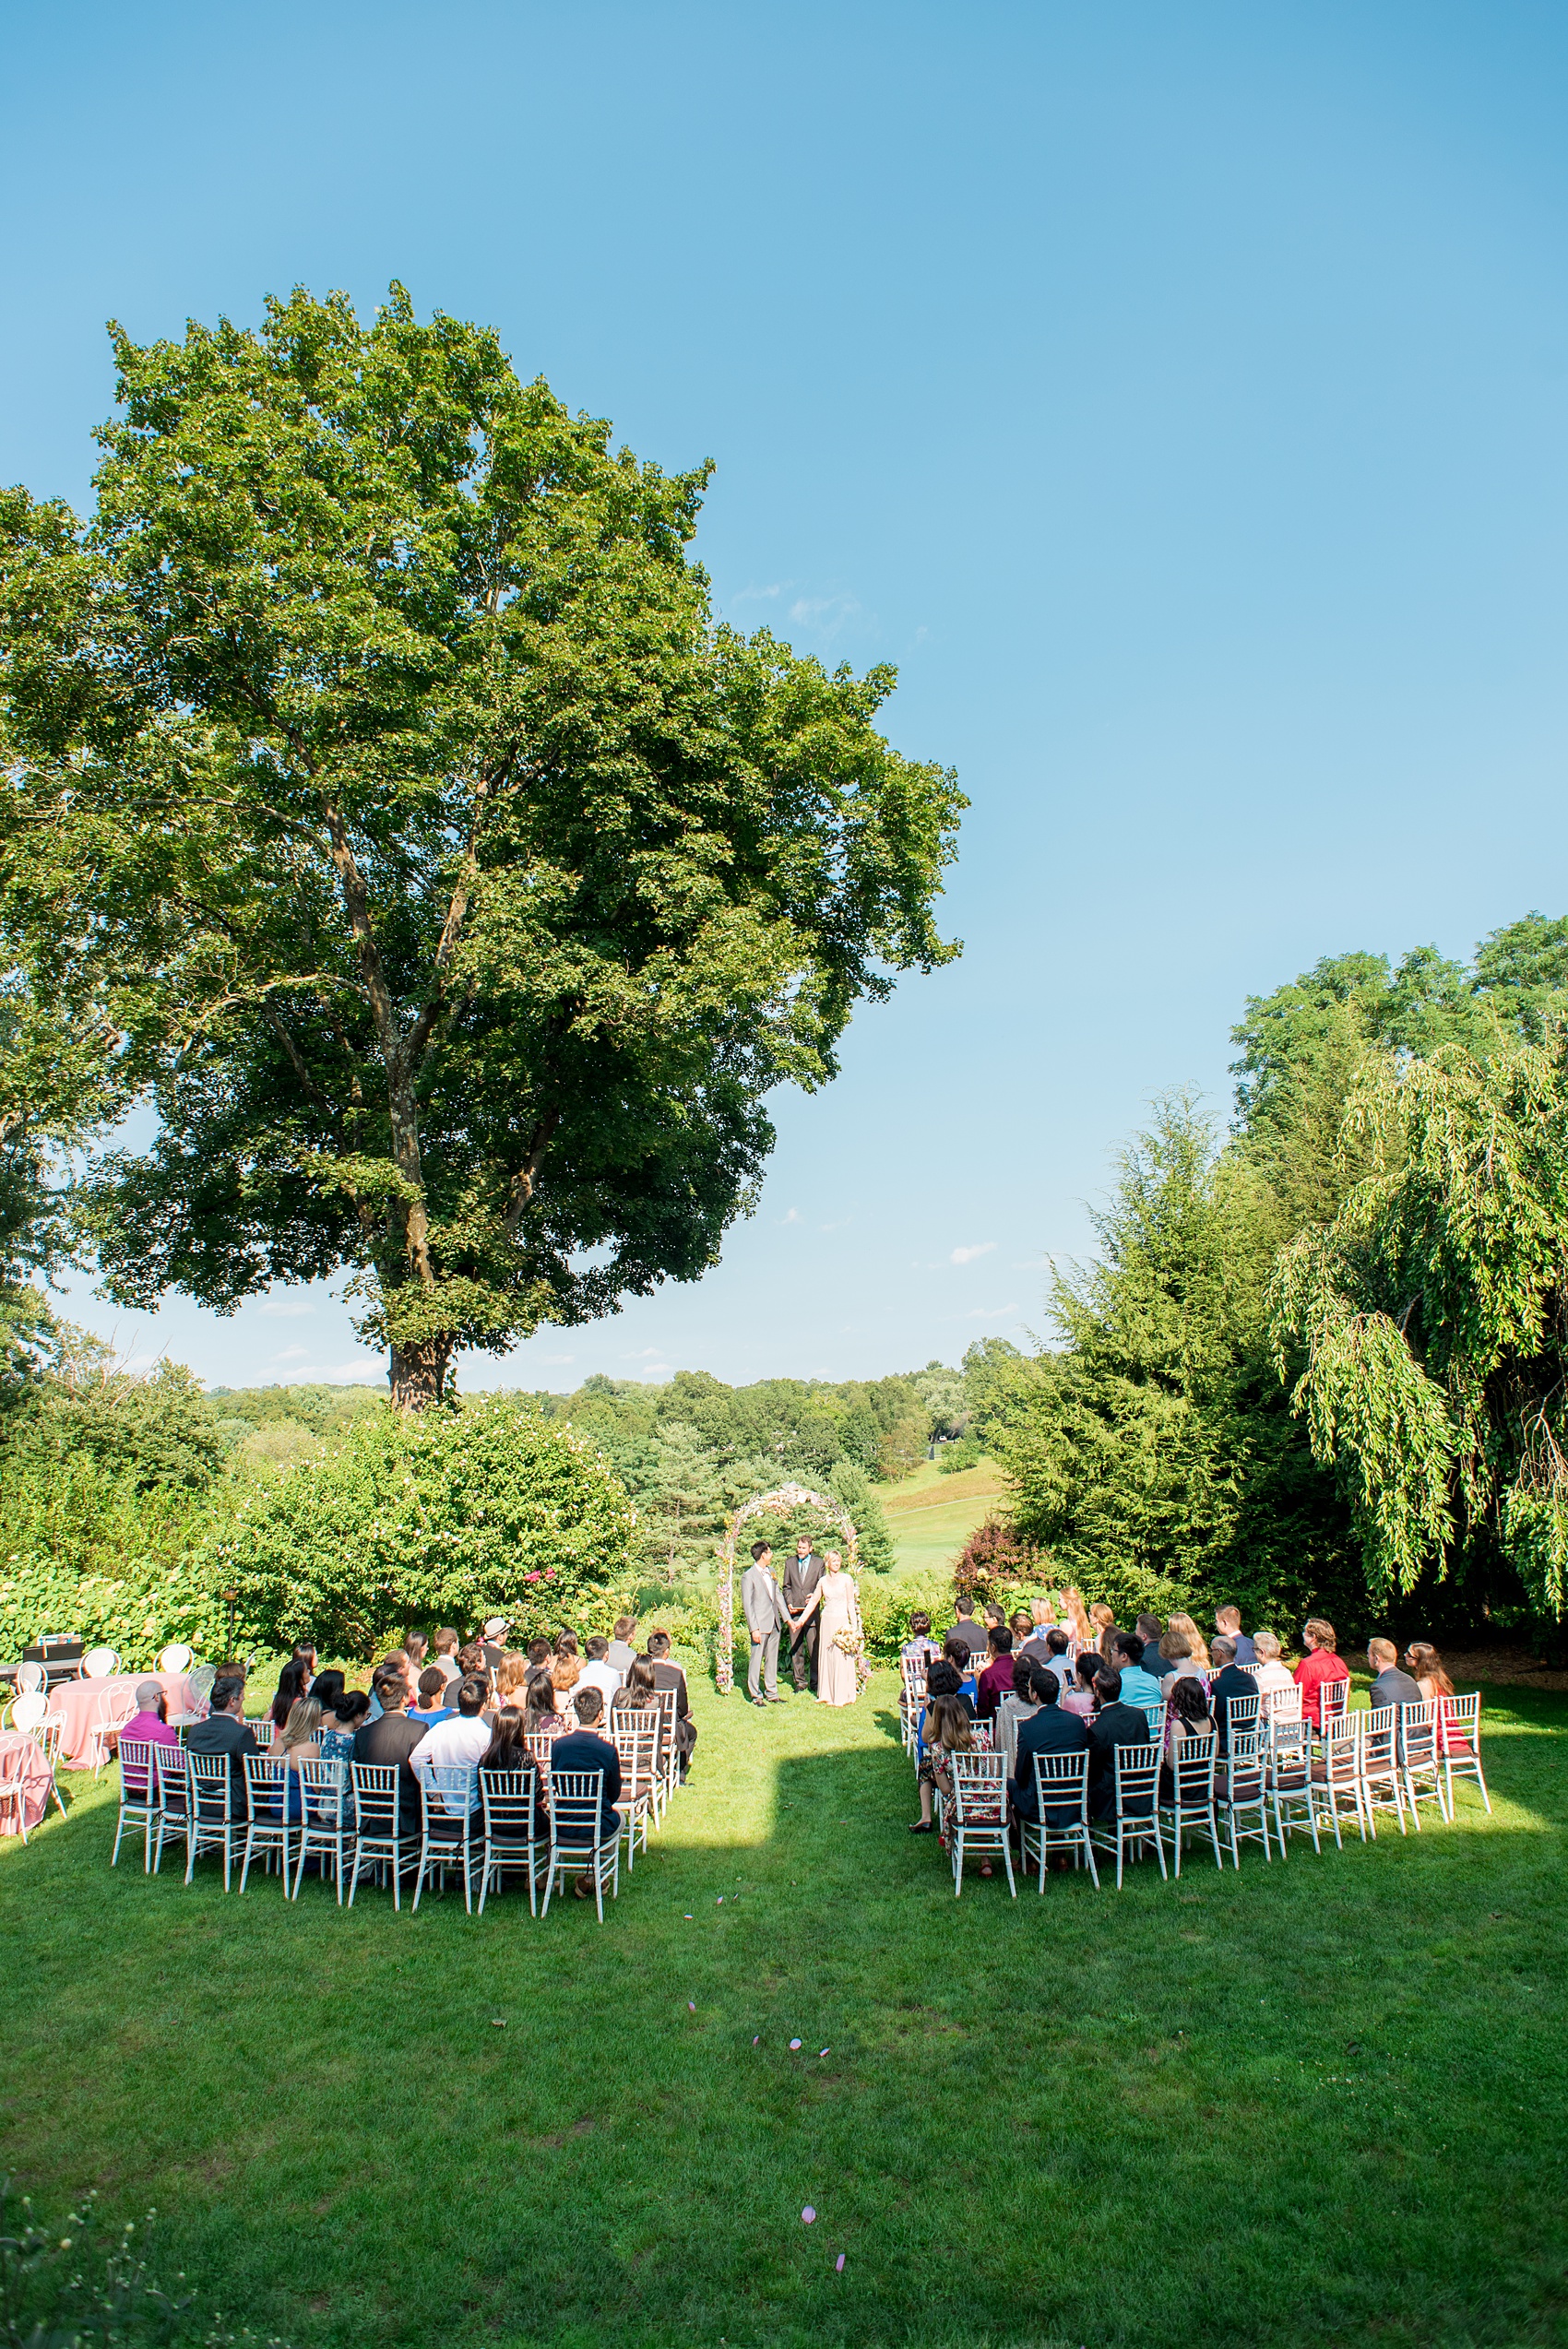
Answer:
[(668, 1755), (1459, 1733), (31, 1714), (99, 1663), (1155, 1715), (28, 1711), (171, 1783), (1283, 1704), (1241, 1712), (639, 1749), (1062, 1812), (326, 1825), (1333, 1703), (513, 1836), (13, 1785), (1191, 1801), (268, 1829), (1420, 1764), (387, 1831), (1244, 1796), (1341, 1782), (1380, 1786), (1290, 1782), (175, 1657), (1134, 1818), (30, 1678), (912, 1676), (580, 1844), (451, 1826), (976, 1820), (213, 1823), (138, 1797)]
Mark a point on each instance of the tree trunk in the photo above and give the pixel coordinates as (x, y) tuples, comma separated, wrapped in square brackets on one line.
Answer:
[(419, 1373)]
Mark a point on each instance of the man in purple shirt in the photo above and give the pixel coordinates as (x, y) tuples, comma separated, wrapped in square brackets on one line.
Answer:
[(146, 1727), (996, 1681)]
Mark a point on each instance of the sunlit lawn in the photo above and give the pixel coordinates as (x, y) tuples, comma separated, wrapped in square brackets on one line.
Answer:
[(1326, 2099)]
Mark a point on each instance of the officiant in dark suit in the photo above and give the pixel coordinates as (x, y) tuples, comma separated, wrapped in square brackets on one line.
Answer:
[(802, 1577)]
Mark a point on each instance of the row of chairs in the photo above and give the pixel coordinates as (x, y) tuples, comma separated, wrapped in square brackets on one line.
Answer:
[(1266, 1789), (354, 1819)]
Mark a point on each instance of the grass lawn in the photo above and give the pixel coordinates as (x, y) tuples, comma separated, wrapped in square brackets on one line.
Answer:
[(931, 1516), (1320, 2101)]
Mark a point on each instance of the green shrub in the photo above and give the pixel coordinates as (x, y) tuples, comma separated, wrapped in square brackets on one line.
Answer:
[(70, 2284), (486, 1508), (136, 1612), (887, 1602)]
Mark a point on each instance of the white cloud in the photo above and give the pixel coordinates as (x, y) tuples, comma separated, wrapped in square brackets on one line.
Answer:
[(557, 1357), (988, 1313), (826, 614), (645, 1354), (758, 595), (968, 1255), (292, 1353), (793, 1216), (291, 1306)]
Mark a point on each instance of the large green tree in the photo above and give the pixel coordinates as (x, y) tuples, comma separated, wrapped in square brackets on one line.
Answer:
[(457, 888), (1425, 1330)]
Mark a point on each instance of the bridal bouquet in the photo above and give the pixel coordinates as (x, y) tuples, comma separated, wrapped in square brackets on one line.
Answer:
[(850, 1642)]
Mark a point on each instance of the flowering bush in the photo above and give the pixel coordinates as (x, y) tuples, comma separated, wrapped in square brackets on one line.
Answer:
[(134, 1612), (486, 1508)]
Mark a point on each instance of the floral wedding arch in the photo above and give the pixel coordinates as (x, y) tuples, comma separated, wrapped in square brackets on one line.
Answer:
[(781, 1502)]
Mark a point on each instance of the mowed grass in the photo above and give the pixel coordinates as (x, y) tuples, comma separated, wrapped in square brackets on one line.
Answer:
[(1323, 2100)]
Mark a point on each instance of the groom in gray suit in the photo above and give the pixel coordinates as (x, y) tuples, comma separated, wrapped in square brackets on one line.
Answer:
[(764, 1609)]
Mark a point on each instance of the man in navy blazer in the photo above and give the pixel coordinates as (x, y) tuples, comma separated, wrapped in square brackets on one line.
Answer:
[(1229, 1681), (583, 1748)]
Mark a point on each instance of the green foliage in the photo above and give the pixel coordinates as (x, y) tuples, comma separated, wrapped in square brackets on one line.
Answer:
[(448, 1516), (1155, 1448), (887, 1603), (455, 887), (136, 1610), (1424, 1328)]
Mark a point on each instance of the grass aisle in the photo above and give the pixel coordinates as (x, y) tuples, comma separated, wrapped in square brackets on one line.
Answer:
[(1321, 2100)]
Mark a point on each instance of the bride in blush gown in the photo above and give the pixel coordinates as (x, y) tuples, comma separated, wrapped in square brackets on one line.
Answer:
[(838, 1682)]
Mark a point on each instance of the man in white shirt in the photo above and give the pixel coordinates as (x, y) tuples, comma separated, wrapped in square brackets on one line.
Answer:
[(599, 1672), (456, 1744)]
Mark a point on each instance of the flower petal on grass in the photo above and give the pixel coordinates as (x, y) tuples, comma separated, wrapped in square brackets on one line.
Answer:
[(809, 2215), (794, 2043), (839, 2263)]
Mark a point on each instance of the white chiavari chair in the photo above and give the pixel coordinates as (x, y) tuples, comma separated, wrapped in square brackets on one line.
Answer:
[(1062, 1812), (580, 1844), (1244, 1795), (1191, 1800), (1459, 1733), (977, 1814), (1381, 1784), (1134, 1818)]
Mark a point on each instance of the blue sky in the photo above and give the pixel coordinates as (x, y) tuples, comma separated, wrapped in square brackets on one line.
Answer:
[(1176, 395)]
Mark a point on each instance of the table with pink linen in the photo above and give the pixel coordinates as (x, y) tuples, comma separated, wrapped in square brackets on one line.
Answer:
[(36, 1777), (81, 1701)]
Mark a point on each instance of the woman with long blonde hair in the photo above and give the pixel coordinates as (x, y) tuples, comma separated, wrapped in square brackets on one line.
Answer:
[(1197, 1646), (1103, 1619), (1077, 1617), (511, 1681)]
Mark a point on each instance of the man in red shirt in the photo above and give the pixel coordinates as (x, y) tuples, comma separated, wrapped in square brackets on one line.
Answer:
[(1318, 1665), (996, 1681)]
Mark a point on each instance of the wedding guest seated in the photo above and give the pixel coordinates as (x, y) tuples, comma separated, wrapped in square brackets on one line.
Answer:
[(1188, 1717), (492, 1639), (512, 1676), (666, 1674), (997, 1678), (1229, 1681), (1138, 1687), (344, 1712), (543, 1716), (1057, 1643), (226, 1730), (1049, 1729), (470, 1659), (1019, 1704), (541, 1656), (1113, 1724), (460, 1739), (1103, 1620), (433, 1705), (1319, 1663), (945, 1731), (1148, 1629), (598, 1671), (1436, 1688), (417, 1648), (621, 1652), (446, 1657), (565, 1671), (1197, 1646), (508, 1754), (397, 1663), (965, 1629), (920, 1642), (1271, 1674), (1391, 1686), (149, 1724), (290, 1686), (1228, 1622), (1021, 1626), (585, 1749), (1176, 1657), (390, 1738), (1077, 1692), (300, 1742)]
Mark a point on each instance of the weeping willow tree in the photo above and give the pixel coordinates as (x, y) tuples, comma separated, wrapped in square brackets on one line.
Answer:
[(1425, 1329)]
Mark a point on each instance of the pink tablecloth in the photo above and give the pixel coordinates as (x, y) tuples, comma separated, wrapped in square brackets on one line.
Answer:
[(114, 1699), (37, 1776)]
